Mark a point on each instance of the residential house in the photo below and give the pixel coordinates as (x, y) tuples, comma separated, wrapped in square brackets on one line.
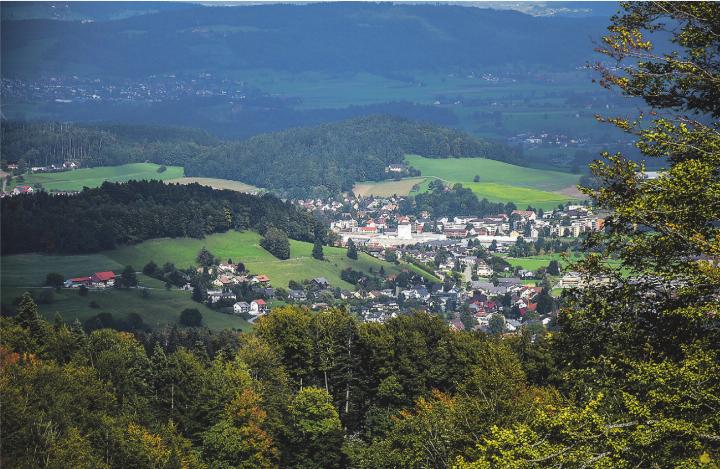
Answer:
[(321, 282), (241, 307), (258, 307), (297, 295)]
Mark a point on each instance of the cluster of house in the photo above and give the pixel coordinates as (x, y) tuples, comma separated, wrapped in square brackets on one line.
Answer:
[(96, 280), (482, 300), (375, 223), (229, 275)]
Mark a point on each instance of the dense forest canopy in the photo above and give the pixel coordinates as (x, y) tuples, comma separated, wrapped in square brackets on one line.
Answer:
[(321, 160), (116, 214)]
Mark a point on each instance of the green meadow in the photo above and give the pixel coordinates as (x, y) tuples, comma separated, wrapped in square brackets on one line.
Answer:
[(464, 170), (498, 181), (76, 179), (24, 272), (535, 262)]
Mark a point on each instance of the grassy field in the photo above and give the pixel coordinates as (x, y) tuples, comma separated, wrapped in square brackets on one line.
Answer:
[(159, 309), (245, 247), (23, 272), (26, 272), (491, 171), (386, 188), (94, 177), (520, 196), (535, 262), (498, 181), (218, 184)]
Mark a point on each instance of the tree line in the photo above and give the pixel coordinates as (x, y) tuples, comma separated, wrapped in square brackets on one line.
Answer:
[(116, 214), (310, 161)]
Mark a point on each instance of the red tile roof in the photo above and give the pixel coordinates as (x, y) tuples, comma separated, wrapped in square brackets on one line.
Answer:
[(80, 279), (104, 276)]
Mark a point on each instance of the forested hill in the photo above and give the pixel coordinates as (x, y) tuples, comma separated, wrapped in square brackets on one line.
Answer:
[(317, 161), (116, 214), (46, 143), (330, 158), (340, 37)]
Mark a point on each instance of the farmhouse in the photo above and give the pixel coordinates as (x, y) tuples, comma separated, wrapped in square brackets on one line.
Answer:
[(103, 278)]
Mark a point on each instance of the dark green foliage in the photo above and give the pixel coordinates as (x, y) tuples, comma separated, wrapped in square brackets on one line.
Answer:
[(150, 269), (276, 243), (553, 268), (191, 317), (205, 258), (496, 324), (352, 250), (455, 202), (198, 294), (127, 279), (43, 143), (317, 251), (54, 279), (545, 302), (116, 214)]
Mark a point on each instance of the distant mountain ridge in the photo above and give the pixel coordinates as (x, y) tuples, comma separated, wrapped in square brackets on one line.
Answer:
[(333, 37)]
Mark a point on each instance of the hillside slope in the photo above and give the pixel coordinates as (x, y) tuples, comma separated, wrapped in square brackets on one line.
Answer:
[(330, 158), (338, 37)]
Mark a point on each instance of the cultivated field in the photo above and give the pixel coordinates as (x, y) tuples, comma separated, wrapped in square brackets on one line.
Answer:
[(93, 177), (386, 188), (218, 184)]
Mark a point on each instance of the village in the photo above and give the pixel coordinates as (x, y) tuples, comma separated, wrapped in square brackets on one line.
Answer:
[(465, 278), (457, 268)]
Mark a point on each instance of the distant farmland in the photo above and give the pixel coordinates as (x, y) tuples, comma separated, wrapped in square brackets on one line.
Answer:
[(498, 181), (491, 171), (76, 179), (386, 188), (218, 184)]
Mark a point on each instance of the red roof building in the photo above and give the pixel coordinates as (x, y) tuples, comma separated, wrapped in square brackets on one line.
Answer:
[(103, 277), (80, 280)]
